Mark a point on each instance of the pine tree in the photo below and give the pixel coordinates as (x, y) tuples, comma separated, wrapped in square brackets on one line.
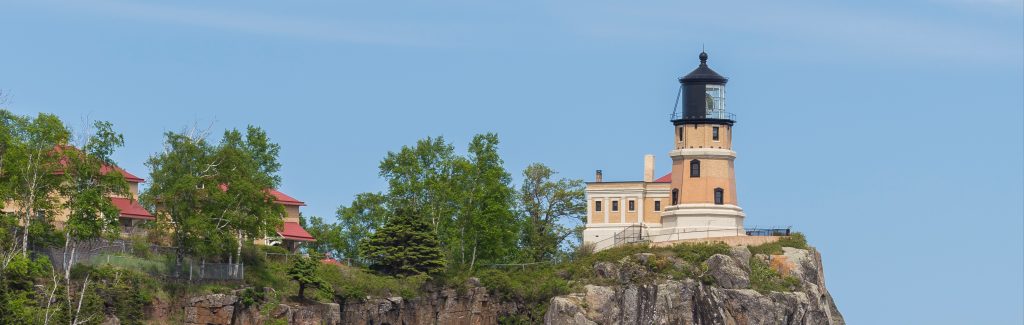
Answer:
[(405, 246), (304, 271)]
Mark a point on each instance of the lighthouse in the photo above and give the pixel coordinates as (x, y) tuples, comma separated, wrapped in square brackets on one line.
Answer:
[(703, 194), (697, 199)]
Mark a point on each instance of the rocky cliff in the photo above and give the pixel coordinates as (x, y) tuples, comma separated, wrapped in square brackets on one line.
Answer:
[(723, 296), (638, 289), (448, 306)]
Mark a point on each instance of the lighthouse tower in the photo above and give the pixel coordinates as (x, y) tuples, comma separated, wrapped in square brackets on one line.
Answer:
[(703, 191)]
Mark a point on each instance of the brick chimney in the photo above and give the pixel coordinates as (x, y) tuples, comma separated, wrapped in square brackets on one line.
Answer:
[(597, 176), (648, 168)]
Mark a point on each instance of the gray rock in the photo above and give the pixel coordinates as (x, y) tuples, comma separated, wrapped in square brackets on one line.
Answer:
[(691, 302), (742, 256), (728, 273), (606, 270), (566, 310)]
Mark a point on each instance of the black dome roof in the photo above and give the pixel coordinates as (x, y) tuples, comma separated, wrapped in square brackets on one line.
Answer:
[(703, 73)]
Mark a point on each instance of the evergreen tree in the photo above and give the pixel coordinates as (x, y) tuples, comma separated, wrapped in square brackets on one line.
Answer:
[(405, 246), (304, 271)]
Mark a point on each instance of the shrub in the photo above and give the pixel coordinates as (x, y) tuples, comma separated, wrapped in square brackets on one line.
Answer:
[(354, 284), (796, 240), (765, 279)]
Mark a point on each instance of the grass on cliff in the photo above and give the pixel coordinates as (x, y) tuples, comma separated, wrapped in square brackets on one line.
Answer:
[(795, 240)]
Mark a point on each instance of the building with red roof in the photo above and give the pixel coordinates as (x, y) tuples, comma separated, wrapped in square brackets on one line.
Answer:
[(291, 235)]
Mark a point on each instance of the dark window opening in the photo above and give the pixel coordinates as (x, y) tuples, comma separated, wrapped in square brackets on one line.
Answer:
[(597, 205), (657, 205), (680, 134), (695, 168), (719, 196), (714, 133), (675, 196), (632, 205), (615, 206)]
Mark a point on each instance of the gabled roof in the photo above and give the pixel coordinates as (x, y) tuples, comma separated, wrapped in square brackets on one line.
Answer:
[(279, 197), (131, 178), (293, 231), (284, 198), (131, 209), (664, 179)]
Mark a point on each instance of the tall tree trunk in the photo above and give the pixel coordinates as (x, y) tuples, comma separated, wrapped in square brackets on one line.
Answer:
[(238, 255)]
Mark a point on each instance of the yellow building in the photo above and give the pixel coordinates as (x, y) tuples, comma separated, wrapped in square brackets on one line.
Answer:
[(697, 199)]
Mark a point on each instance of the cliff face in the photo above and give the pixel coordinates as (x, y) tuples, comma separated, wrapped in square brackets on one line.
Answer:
[(473, 307), (634, 293), (636, 300)]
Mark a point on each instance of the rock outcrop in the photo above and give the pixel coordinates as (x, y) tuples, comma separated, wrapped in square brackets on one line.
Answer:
[(448, 306), (226, 309), (730, 300)]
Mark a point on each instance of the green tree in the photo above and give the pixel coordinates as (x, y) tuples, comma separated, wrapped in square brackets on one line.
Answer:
[(328, 235), (405, 246), (31, 169), (367, 213), (419, 181), (90, 178), (304, 271), (216, 196), (183, 177), (247, 168), (484, 227), (548, 205)]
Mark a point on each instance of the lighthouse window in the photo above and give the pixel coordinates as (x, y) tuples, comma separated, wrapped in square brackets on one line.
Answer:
[(719, 196), (597, 206), (632, 205), (714, 96), (695, 168), (714, 133), (675, 196), (657, 205), (680, 134), (615, 206)]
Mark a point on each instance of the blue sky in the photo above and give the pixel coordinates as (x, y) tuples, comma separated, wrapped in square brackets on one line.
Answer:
[(890, 132)]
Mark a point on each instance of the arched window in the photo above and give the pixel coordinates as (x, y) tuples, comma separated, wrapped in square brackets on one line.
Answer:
[(695, 168), (719, 196), (675, 196)]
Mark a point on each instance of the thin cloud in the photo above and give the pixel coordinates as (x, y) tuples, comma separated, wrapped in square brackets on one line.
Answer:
[(901, 37), (393, 33)]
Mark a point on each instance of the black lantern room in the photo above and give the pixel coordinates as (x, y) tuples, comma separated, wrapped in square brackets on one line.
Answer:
[(702, 94)]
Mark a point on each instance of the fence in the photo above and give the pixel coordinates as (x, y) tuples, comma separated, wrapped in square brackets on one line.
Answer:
[(631, 234), (122, 253), (769, 231)]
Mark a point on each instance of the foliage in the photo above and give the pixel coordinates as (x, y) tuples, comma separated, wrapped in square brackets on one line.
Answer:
[(250, 296), (20, 303), (28, 170), (795, 240), (355, 284), (404, 247), (765, 279), (216, 196), (367, 213), (466, 200), (304, 271), (546, 206)]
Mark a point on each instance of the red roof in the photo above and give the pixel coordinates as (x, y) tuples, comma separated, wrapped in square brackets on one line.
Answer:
[(664, 179), (131, 209), (103, 169), (284, 198), (127, 176), (293, 231), (278, 196)]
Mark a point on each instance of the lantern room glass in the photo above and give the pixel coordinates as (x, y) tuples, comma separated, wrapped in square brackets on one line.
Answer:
[(714, 96)]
